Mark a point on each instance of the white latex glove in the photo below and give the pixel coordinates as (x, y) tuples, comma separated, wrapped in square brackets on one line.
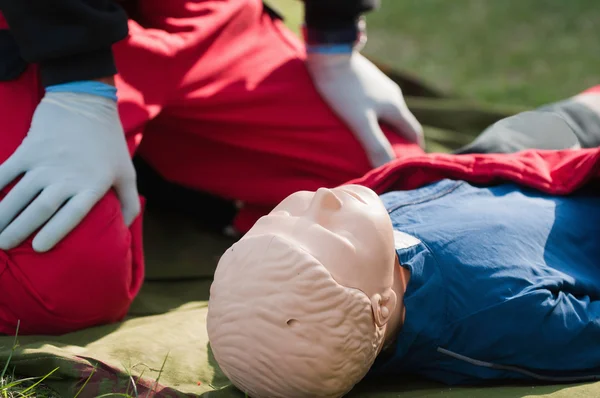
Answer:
[(74, 153), (362, 95)]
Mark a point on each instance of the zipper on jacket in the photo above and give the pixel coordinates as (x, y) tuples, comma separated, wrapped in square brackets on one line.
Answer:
[(533, 375)]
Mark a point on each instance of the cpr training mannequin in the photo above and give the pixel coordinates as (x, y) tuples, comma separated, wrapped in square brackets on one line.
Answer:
[(450, 281)]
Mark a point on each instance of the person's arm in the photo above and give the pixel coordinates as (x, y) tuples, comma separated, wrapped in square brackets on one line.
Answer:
[(75, 150), (545, 335), (71, 40), (359, 93), (335, 23), (563, 333)]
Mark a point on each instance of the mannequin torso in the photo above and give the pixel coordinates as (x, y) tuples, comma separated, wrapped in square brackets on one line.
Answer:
[(502, 275)]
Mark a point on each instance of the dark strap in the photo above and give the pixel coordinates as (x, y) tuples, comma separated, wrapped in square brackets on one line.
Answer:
[(11, 63)]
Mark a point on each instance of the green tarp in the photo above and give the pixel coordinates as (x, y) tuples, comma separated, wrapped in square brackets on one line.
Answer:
[(162, 348)]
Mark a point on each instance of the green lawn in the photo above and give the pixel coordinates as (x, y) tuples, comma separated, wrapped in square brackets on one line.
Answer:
[(521, 52)]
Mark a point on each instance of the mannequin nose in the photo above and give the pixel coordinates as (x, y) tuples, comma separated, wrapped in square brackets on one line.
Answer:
[(324, 200)]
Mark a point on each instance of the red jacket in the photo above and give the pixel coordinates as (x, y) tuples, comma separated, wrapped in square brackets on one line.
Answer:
[(554, 172)]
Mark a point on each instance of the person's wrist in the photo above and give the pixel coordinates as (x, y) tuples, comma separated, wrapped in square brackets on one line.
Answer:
[(103, 87), (330, 49), (339, 40), (324, 64)]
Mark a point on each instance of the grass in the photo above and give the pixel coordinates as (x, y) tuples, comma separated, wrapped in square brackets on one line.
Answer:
[(522, 52), (33, 387), (12, 386), (519, 52)]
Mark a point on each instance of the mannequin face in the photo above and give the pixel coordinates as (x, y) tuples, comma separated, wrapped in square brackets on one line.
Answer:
[(347, 229), (318, 273)]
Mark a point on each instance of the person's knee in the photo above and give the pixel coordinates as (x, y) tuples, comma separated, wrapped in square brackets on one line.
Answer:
[(89, 278)]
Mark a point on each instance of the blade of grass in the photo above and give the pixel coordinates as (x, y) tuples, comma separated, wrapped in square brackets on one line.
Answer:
[(17, 383), (138, 380), (86, 381), (11, 351), (41, 380), (132, 382), (159, 374)]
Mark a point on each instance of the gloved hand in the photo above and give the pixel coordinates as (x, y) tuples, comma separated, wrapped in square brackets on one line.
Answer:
[(362, 95), (74, 152)]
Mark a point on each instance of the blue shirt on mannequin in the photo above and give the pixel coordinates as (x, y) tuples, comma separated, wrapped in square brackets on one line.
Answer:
[(505, 284)]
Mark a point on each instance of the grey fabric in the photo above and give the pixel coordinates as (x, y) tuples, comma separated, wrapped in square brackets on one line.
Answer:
[(533, 129), (562, 125), (584, 122)]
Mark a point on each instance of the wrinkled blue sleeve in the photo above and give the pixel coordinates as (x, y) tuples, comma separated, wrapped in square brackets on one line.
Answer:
[(545, 334)]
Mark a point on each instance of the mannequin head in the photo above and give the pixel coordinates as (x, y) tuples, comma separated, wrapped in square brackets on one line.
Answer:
[(300, 305)]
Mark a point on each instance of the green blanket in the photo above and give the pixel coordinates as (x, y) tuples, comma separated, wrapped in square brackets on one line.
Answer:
[(162, 348)]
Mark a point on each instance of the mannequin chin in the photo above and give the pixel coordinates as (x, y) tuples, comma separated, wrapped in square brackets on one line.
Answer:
[(302, 305)]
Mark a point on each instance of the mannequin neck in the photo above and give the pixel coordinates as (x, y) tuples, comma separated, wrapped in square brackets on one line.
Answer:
[(401, 278)]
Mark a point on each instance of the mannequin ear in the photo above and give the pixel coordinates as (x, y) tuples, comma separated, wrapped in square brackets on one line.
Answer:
[(383, 306)]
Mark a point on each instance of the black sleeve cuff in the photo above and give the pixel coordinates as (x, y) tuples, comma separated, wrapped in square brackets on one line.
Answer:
[(87, 66), (336, 14)]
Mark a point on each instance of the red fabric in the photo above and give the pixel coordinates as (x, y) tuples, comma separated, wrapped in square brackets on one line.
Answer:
[(221, 96), (91, 277), (238, 115), (554, 172)]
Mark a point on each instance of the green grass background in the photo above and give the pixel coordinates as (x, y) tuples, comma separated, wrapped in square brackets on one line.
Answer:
[(514, 52)]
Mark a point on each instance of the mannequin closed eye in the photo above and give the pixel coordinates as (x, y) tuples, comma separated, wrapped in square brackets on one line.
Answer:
[(354, 195)]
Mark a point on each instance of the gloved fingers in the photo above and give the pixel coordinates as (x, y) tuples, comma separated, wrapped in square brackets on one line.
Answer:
[(10, 170), (399, 117), (369, 133), (130, 200), (17, 199), (34, 216), (65, 220)]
